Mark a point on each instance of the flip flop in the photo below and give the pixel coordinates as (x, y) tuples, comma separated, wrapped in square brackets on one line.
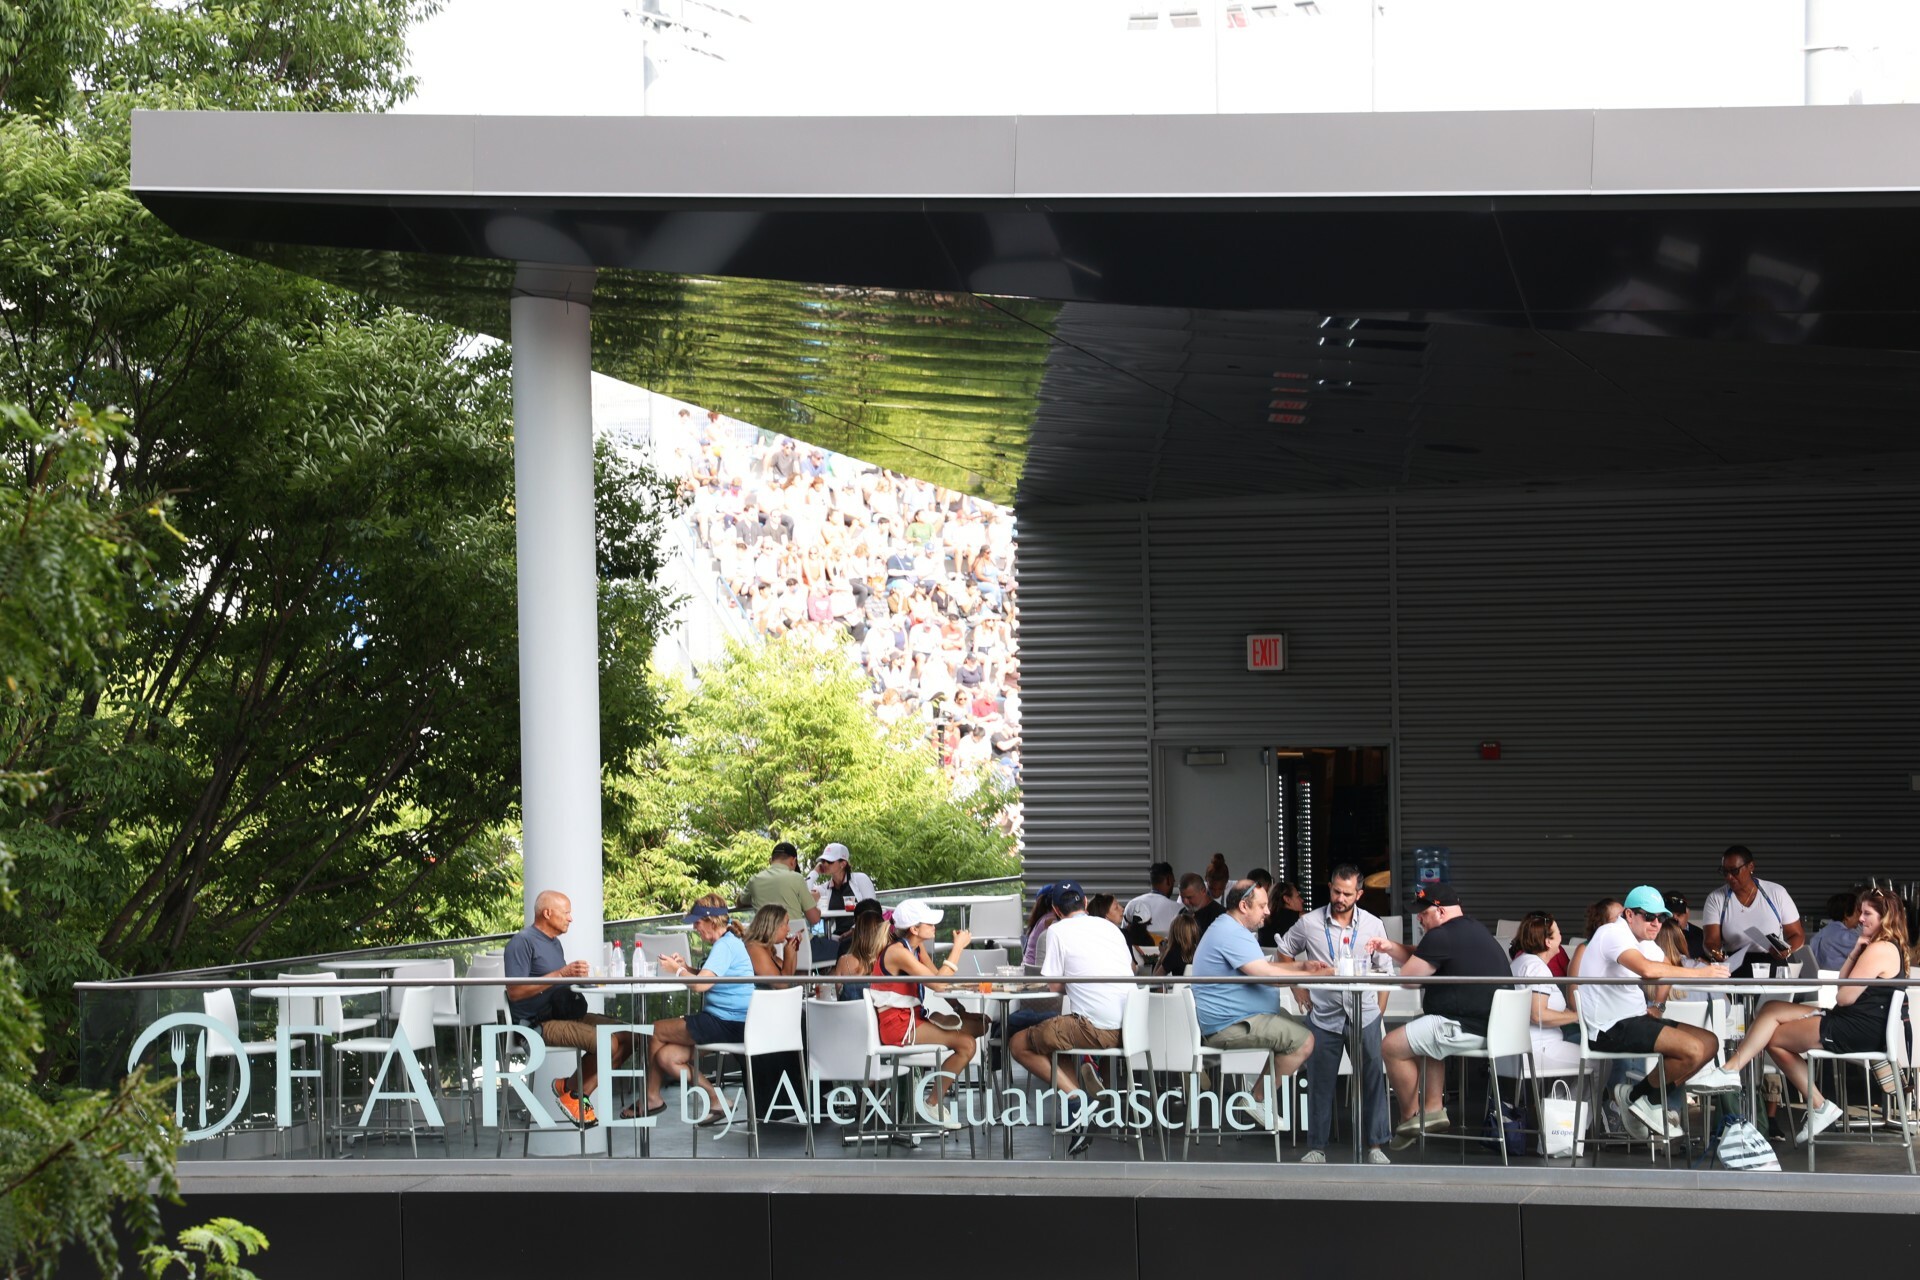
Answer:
[(633, 1111)]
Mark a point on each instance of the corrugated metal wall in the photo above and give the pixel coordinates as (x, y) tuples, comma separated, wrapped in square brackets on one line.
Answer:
[(1667, 673)]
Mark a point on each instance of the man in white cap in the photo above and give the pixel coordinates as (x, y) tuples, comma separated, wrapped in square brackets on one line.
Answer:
[(1618, 1018)]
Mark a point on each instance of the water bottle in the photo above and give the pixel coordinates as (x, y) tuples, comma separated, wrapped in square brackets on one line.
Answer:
[(619, 967), (642, 967)]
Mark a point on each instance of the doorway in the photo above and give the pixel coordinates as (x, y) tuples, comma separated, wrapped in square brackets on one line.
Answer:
[(1332, 805)]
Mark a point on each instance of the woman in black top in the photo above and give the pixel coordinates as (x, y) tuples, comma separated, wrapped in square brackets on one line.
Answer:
[(1856, 1024)]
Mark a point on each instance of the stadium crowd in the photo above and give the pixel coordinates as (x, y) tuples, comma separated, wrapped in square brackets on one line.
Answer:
[(915, 582)]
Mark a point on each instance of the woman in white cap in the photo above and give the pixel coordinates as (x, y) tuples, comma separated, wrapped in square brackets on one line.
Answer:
[(902, 1020), (843, 885)]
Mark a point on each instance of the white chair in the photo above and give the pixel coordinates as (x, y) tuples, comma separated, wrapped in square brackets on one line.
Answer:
[(414, 1019), (220, 1007), (478, 1006), (1509, 1036), (1395, 927), (1504, 930), (1175, 1046), (1000, 922), (1899, 1052), (1130, 1057), (774, 1025), (1403, 1004), (1596, 1104), (843, 1046)]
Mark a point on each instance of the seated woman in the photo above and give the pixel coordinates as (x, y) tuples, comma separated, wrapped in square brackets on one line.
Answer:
[(1550, 1021), (1183, 937), (871, 935), (1603, 912), (766, 938), (723, 1016), (902, 1018), (1856, 1024)]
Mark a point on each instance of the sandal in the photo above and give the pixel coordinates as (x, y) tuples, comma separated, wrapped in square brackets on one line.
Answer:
[(633, 1111)]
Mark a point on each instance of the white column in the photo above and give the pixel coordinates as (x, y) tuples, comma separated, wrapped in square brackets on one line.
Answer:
[(559, 626)]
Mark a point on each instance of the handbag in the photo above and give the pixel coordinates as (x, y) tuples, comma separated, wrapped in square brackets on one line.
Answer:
[(567, 1005), (1743, 1148), (1505, 1120), (1563, 1123)]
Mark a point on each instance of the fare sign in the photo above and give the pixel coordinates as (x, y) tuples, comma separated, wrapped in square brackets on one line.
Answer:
[(1267, 653)]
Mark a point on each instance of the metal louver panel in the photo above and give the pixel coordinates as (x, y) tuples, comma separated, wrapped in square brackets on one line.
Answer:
[(1320, 575), (1665, 678), (1667, 673), (1084, 701)]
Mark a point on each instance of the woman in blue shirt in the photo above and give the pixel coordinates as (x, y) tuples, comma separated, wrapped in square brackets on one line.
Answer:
[(723, 1016)]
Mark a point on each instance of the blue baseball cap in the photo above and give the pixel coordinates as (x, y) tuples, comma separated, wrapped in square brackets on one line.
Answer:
[(704, 913), (1059, 887), (1647, 900)]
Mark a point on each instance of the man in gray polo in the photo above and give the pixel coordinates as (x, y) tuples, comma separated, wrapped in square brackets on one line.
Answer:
[(1337, 935)]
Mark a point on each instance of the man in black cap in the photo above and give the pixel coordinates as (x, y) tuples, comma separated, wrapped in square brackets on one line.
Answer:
[(1696, 936), (1455, 1021)]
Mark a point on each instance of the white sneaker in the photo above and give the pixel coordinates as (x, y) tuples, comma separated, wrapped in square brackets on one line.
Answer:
[(1714, 1079), (1314, 1157), (1263, 1116), (944, 1117), (1649, 1113), (1376, 1156), (1818, 1122)]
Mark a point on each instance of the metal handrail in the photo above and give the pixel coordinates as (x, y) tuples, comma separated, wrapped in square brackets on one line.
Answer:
[(966, 981), (317, 957)]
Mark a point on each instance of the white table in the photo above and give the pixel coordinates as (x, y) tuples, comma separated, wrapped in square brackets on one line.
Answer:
[(1007, 1000)]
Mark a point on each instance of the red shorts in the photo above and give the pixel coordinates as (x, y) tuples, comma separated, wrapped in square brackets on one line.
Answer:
[(896, 1025)]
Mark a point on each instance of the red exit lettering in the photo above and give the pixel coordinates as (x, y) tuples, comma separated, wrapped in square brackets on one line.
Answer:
[(1266, 653)]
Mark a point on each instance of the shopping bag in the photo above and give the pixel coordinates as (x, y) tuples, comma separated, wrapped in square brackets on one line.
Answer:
[(1563, 1126), (1745, 1149)]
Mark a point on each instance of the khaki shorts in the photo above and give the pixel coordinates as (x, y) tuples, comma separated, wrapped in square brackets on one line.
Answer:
[(1070, 1031), (575, 1033), (1279, 1032)]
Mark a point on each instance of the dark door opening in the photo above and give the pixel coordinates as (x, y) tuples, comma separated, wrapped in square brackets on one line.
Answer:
[(1331, 806)]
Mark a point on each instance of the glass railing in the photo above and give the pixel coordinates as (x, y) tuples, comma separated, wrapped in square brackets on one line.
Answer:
[(366, 1060)]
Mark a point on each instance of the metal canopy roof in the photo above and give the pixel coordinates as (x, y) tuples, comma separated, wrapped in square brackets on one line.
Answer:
[(1076, 310)]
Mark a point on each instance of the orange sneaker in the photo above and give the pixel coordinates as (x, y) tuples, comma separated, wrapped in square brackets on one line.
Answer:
[(573, 1105)]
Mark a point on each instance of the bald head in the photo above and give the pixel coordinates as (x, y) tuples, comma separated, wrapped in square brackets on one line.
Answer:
[(552, 912)]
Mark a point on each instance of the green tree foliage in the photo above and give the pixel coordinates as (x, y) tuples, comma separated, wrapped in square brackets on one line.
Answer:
[(302, 730), (216, 1250), (776, 745), (69, 1159)]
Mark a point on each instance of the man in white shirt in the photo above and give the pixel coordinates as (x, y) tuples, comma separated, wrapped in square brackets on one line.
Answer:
[(1743, 913), (1336, 933), (1157, 907), (1617, 1015), (1078, 946)]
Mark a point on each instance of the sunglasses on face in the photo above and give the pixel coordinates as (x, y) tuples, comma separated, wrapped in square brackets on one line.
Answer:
[(1662, 918), (1731, 872)]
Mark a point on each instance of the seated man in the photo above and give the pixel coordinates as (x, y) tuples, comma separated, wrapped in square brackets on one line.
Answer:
[(535, 952), (1618, 1017), (1195, 898), (780, 884), (1454, 945), (1156, 908), (1078, 945), (1247, 1016)]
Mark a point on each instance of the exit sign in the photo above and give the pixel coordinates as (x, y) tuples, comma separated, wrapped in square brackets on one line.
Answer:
[(1267, 653)]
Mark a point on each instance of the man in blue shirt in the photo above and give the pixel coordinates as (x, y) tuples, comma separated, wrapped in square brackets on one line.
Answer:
[(1246, 1015), (535, 952)]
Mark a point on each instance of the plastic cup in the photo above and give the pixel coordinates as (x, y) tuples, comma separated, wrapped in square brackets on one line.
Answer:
[(1762, 970)]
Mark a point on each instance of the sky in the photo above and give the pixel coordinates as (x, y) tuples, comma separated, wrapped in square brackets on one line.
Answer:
[(1049, 57)]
